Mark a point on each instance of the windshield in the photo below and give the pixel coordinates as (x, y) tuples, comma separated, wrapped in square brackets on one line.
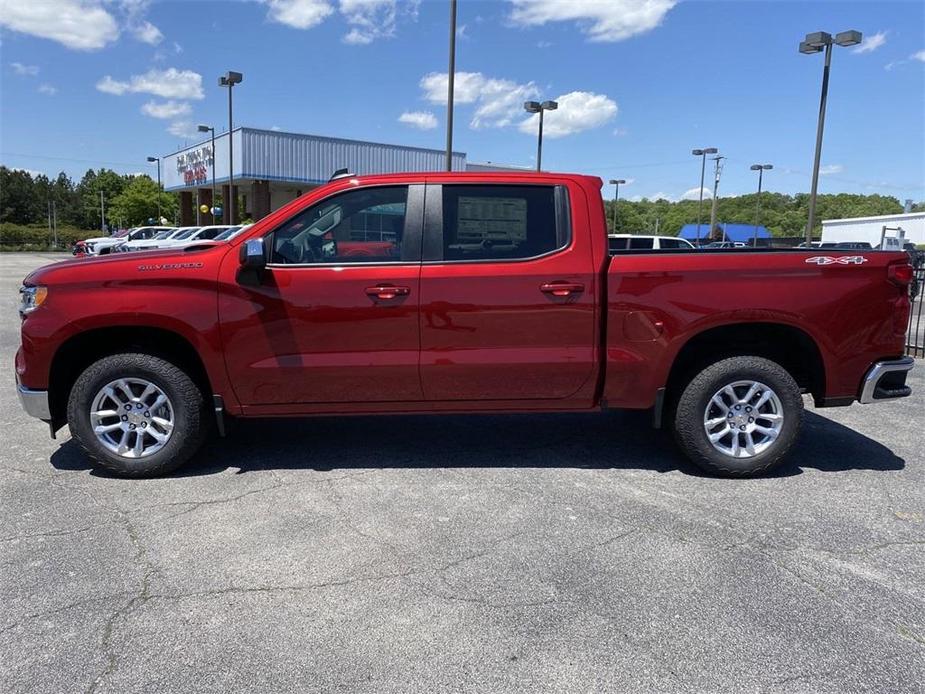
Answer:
[(164, 234), (186, 234), (228, 233)]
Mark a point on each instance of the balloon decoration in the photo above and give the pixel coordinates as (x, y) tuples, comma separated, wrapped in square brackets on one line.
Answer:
[(204, 209)]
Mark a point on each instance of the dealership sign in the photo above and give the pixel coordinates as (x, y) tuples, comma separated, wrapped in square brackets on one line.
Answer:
[(194, 165)]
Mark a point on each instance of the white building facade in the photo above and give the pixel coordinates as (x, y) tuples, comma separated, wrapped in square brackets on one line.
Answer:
[(870, 229)]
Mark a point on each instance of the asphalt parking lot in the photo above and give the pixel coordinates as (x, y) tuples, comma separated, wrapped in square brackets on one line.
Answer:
[(535, 553)]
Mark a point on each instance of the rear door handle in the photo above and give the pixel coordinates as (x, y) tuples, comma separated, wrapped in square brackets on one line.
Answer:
[(562, 288), (387, 291)]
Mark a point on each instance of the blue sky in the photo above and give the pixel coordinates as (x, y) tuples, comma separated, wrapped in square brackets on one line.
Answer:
[(89, 83)]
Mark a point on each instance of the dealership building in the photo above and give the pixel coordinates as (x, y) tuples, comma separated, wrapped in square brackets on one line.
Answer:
[(271, 168)]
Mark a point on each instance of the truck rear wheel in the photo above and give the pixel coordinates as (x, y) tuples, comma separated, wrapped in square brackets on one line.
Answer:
[(739, 417), (137, 415)]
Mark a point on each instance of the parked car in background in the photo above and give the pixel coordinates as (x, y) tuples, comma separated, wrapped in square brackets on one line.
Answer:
[(104, 245), (455, 292), (232, 232), (847, 245), (725, 244), (157, 241), (206, 233), (639, 242)]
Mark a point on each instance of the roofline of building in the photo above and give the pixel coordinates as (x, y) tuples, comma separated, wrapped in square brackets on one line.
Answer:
[(904, 215), (242, 128)]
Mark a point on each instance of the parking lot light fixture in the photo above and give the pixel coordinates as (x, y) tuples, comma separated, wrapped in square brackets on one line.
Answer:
[(537, 107), (229, 79), (702, 153), (616, 196), (210, 129), (760, 168), (817, 42), (158, 160)]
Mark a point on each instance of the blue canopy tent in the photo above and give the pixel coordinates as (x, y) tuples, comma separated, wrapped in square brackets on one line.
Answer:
[(743, 233)]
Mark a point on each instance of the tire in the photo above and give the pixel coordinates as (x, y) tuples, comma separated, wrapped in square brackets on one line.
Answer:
[(694, 422), (184, 409)]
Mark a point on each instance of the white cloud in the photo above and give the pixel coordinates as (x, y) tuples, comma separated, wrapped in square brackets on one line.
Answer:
[(919, 55), (661, 196), (299, 14), (578, 111), (601, 20), (166, 109), (47, 89), (498, 101), (829, 169), (168, 84), (871, 43), (183, 128), (275, 128), (621, 132), (425, 120), (694, 194), (25, 70), (369, 20), (79, 24), (148, 33)]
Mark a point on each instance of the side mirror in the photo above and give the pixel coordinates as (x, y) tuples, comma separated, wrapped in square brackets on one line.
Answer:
[(254, 255)]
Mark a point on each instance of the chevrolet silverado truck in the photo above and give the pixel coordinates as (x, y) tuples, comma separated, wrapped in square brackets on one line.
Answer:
[(451, 293)]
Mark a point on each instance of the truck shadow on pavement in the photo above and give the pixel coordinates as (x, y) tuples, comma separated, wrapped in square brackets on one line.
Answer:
[(618, 440)]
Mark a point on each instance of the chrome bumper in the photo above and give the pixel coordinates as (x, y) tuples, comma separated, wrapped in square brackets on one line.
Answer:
[(34, 402), (872, 388)]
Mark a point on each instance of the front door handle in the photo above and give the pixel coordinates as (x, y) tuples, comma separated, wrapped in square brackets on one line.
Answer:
[(562, 288), (387, 291)]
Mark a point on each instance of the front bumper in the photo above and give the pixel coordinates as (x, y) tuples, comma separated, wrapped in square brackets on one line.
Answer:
[(886, 380), (34, 402)]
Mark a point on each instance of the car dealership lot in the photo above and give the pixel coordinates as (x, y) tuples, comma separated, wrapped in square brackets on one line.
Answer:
[(478, 553)]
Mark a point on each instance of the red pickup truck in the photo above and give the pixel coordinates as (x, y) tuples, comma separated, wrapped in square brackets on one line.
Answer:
[(455, 292)]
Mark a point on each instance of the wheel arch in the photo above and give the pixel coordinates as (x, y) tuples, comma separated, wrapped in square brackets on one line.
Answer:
[(84, 348), (791, 347)]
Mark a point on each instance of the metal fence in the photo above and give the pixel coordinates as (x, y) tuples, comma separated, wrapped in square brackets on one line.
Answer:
[(915, 338)]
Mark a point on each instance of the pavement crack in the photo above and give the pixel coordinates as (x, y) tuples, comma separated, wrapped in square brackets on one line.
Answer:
[(122, 613)]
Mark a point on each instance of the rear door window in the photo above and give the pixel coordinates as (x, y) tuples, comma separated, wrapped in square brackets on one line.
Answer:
[(502, 222)]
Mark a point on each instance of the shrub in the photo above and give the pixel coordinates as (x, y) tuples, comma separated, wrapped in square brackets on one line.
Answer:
[(21, 237)]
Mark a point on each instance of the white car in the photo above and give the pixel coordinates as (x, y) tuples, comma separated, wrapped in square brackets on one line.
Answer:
[(206, 233), (634, 242), (157, 241), (101, 245), (232, 232)]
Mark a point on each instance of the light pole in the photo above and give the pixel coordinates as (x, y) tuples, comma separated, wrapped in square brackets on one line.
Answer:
[(616, 196), (210, 129), (158, 160), (814, 43), (702, 153), (229, 79), (451, 79), (760, 168), (537, 107), (718, 170)]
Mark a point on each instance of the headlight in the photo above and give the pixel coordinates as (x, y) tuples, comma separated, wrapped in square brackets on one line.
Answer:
[(30, 298)]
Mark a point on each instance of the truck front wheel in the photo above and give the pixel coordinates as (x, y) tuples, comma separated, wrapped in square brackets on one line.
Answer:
[(137, 415), (739, 417)]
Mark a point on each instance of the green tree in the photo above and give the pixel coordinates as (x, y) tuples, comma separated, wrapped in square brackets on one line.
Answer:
[(18, 202), (137, 202)]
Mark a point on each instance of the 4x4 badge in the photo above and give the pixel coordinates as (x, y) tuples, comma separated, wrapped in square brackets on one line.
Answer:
[(840, 260)]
